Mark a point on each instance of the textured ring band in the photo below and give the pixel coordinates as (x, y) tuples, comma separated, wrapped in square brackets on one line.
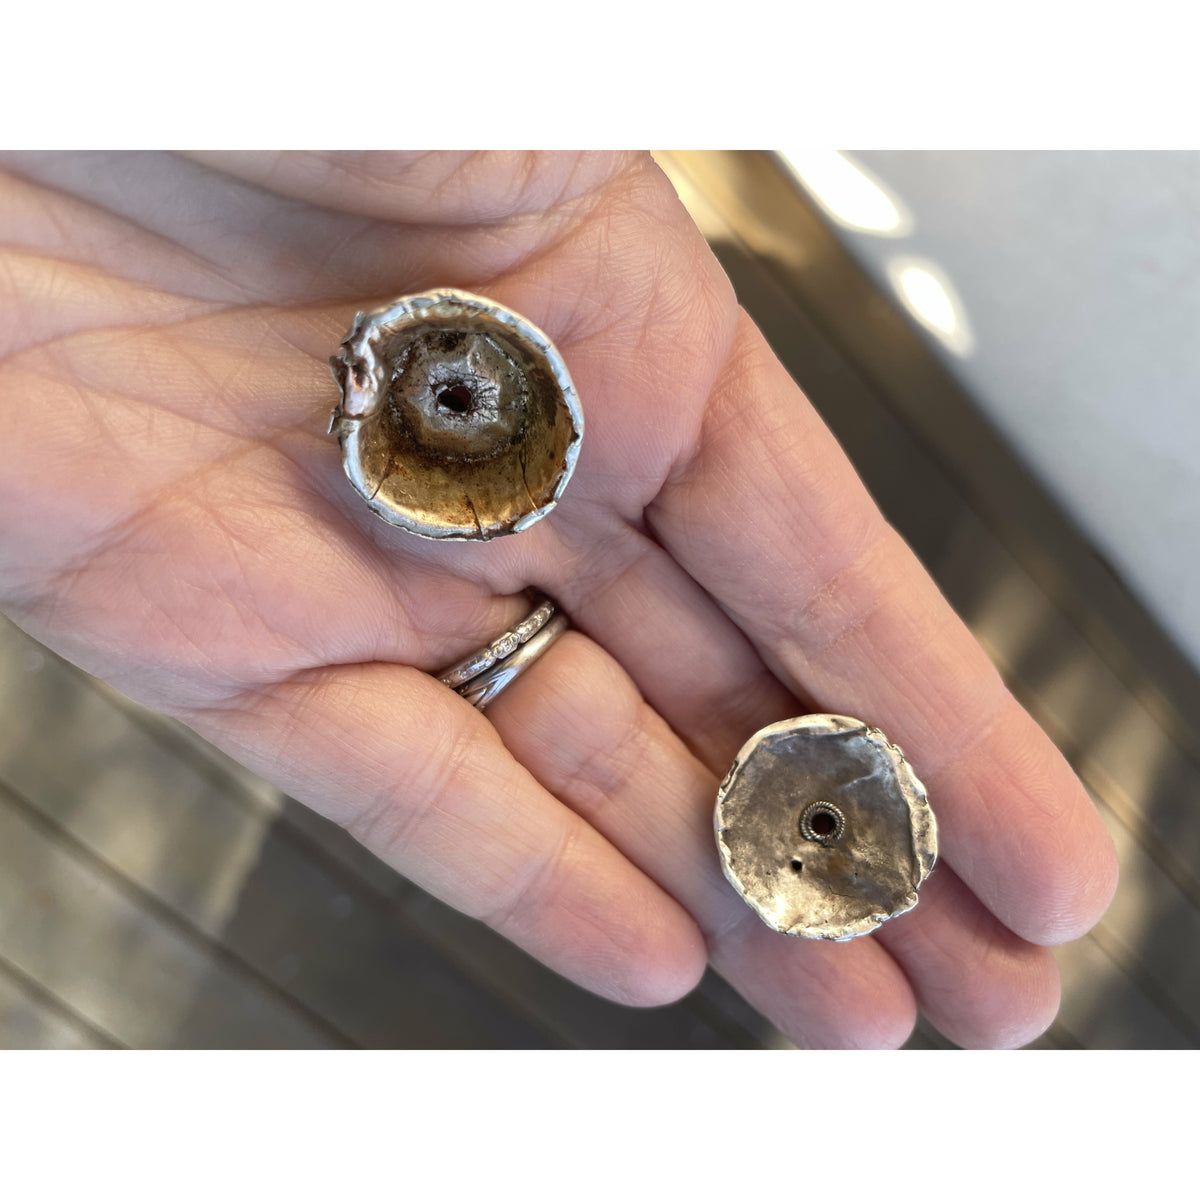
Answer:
[(475, 664), (485, 687)]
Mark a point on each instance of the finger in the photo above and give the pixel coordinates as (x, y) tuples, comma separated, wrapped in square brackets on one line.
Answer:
[(843, 611), (457, 188), (978, 983), (579, 724), (588, 736), (690, 662), (975, 980), (175, 224), (421, 779)]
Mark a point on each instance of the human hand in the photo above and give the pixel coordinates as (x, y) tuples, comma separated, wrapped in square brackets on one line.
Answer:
[(174, 518)]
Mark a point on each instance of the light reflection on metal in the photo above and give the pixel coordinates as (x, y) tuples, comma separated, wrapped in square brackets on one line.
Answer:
[(457, 418), (823, 829), (926, 291), (847, 193)]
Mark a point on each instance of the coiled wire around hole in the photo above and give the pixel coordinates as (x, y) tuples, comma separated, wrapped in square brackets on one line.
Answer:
[(823, 823)]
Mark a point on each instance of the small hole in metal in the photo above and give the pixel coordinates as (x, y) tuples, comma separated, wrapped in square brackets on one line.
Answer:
[(797, 865), (457, 400), (822, 823)]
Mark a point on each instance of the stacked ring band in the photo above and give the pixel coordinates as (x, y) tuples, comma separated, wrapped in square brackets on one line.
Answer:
[(483, 675)]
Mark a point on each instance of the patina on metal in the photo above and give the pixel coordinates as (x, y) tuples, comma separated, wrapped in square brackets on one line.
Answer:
[(457, 417), (823, 828)]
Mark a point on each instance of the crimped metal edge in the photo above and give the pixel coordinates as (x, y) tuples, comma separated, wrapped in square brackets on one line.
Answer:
[(358, 371)]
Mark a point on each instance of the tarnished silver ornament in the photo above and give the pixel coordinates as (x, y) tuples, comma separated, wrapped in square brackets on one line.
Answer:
[(457, 417), (823, 828)]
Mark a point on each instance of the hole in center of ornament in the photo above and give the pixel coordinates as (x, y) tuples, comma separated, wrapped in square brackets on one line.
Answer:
[(457, 400), (822, 823)]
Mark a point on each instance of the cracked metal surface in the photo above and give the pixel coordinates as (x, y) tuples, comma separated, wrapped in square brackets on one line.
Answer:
[(457, 419)]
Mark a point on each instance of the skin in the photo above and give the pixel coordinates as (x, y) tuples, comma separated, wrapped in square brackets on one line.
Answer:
[(174, 519)]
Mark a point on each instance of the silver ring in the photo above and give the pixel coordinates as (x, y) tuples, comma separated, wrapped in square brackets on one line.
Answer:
[(475, 664), (484, 674), (484, 688)]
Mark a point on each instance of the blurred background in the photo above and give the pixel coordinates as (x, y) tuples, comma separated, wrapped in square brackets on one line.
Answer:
[(1008, 347)]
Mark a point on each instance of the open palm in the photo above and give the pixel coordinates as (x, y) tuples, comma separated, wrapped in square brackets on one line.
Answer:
[(174, 518)]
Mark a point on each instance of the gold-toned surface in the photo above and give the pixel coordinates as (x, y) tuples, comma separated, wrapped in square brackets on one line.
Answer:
[(314, 923), (457, 419), (823, 828)]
